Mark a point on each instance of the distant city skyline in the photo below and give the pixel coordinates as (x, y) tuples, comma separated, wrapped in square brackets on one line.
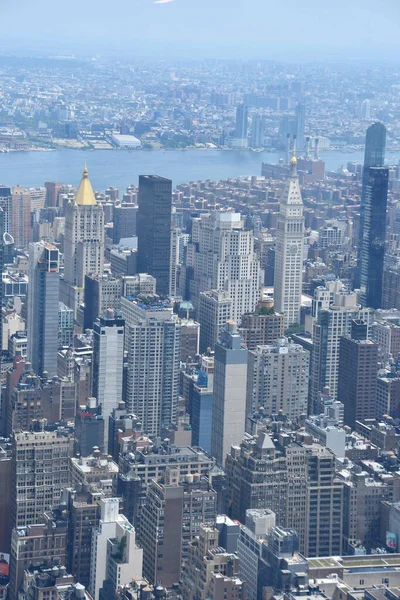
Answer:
[(251, 29)]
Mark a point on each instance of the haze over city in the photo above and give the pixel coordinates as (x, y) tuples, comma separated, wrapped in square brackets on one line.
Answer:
[(255, 29)]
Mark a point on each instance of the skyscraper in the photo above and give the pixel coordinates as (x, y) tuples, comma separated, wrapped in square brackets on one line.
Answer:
[(375, 143), (34, 492), (102, 292), (289, 249), (242, 121), (374, 156), (374, 236), (152, 341), (330, 325), (215, 309), (229, 400), (161, 532), (21, 217), (108, 362), (84, 243), (277, 379), (43, 306), (6, 206), (297, 481), (154, 229), (223, 259), (357, 381), (170, 519)]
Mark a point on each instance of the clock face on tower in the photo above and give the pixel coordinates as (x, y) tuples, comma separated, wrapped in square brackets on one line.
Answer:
[(292, 249)]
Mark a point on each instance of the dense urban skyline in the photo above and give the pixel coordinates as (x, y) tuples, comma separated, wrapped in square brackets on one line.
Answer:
[(199, 300)]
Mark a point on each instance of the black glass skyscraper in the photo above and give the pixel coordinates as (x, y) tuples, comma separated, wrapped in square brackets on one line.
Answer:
[(154, 229), (374, 236), (375, 142)]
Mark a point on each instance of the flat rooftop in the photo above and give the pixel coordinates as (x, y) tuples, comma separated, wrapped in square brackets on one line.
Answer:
[(357, 563)]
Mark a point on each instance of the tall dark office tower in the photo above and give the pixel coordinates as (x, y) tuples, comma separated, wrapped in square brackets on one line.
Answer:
[(242, 121), (374, 237), (374, 156), (357, 381), (154, 229), (300, 121), (375, 143)]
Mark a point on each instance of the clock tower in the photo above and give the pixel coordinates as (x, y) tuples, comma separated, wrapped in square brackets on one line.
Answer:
[(289, 249)]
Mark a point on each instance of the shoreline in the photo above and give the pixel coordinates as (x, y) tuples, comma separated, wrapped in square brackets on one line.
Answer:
[(189, 148), (351, 149)]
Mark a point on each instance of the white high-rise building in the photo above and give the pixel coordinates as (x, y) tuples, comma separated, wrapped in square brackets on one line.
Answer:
[(83, 243), (215, 309), (152, 343), (323, 298), (250, 546), (116, 559), (331, 324), (108, 365), (289, 249), (229, 399), (223, 259), (35, 491), (277, 379)]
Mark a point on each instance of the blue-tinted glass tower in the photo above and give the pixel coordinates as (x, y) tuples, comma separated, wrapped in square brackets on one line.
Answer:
[(374, 237), (374, 156)]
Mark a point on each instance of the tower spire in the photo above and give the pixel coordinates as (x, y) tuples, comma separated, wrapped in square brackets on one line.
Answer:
[(85, 194)]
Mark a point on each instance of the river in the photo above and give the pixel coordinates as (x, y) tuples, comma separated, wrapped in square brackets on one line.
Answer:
[(119, 168)]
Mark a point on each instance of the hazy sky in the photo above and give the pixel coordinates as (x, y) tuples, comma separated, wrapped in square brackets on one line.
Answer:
[(286, 29)]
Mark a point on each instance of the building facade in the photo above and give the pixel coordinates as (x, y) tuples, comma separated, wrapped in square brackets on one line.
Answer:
[(154, 229), (152, 341), (21, 217), (277, 379), (373, 237), (330, 325), (357, 379), (43, 307), (36, 490), (83, 243), (108, 365), (221, 257), (229, 396), (289, 250)]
